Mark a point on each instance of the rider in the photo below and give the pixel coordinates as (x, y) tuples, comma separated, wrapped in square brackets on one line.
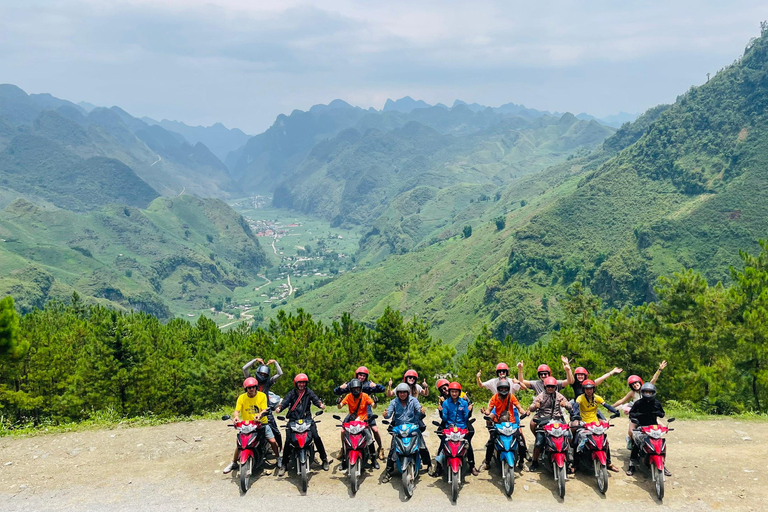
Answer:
[(251, 406), (456, 412), (547, 404), (544, 372), (410, 377), (635, 382), (502, 371), (265, 383), (299, 401), (587, 403), (503, 402), (581, 375), (369, 388), (404, 409), (359, 404), (644, 413)]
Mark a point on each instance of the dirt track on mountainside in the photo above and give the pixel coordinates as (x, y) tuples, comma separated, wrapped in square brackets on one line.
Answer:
[(715, 464)]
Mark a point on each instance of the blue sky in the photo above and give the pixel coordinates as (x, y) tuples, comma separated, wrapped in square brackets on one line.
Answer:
[(242, 62)]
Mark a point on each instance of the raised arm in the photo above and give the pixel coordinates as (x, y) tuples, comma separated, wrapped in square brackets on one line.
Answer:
[(249, 364), (477, 377), (624, 400), (278, 371), (602, 378), (389, 391), (524, 384), (656, 375), (568, 372), (424, 388)]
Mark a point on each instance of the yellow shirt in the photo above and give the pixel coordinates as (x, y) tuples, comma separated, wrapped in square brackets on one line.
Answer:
[(588, 409), (250, 407)]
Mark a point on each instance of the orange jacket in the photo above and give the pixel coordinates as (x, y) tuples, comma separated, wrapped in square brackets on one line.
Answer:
[(504, 404)]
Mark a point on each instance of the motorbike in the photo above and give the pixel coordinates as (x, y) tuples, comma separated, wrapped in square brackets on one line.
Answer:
[(303, 446), (455, 447), (554, 456), (407, 457), (594, 456), (653, 452), (355, 449), (253, 449), (506, 451)]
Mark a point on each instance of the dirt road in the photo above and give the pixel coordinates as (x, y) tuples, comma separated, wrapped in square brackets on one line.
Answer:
[(716, 465)]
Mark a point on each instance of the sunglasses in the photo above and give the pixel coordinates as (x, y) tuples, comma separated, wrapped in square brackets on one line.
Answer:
[(250, 388), (550, 387), (443, 388)]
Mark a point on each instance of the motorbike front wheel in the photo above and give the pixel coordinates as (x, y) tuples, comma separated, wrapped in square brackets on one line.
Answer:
[(455, 481), (508, 475), (245, 475), (354, 476), (408, 480), (601, 475), (561, 476), (658, 479), (304, 473)]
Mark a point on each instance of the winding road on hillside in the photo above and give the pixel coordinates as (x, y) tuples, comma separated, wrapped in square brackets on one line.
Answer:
[(716, 465)]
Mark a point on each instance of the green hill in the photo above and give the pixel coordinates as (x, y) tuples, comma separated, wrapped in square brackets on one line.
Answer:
[(687, 188), (179, 253)]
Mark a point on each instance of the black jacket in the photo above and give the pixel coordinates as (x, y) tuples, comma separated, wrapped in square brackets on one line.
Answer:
[(645, 412), (302, 410), (367, 389)]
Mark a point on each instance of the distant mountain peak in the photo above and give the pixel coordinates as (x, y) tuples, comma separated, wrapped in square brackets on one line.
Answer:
[(406, 105)]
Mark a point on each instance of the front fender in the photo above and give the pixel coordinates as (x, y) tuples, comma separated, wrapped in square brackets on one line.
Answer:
[(658, 461), (600, 455), (245, 455), (558, 458), (509, 458), (354, 455), (454, 463)]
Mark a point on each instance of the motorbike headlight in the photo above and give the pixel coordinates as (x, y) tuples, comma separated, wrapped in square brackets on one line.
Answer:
[(507, 431), (597, 430), (301, 427), (354, 429), (557, 432), (656, 434)]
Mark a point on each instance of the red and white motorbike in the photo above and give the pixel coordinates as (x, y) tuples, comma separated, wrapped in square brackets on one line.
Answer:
[(653, 452)]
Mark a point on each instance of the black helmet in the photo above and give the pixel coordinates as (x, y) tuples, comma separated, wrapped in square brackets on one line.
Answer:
[(503, 387), (355, 386), (648, 391), (262, 373)]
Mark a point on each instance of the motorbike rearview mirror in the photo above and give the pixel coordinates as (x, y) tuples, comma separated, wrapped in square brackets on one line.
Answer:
[(373, 417), (487, 418), (471, 421), (281, 418), (225, 417), (436, 423), (336, 417), (385, 422), (318, 413), (670, 420)]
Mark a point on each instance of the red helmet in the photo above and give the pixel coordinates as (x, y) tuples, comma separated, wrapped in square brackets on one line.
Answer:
[(502, 366), (250, 381), (550, 381), (581, 370), (543, 368), (362, 369), (411, 373), (302, 377), (454, 385), (441, 382), (588, 384), (632, 379)]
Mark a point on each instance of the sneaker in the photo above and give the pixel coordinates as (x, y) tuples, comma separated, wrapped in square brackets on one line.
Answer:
[(281, 471), (667, 472), (631, 470), (232, 466), (374, 463), (533, 467), (475, 472), (326, 466), (484, 466)]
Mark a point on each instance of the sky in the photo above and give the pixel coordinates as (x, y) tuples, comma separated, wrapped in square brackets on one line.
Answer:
[(243, 62)]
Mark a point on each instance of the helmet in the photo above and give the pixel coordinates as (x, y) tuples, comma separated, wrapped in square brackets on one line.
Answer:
[(550, 381), (441, 382), (650, 389), (403, 387), (302, 377), (543, 368), (250, 381), (454, 385), (362, 369), (581, 370), (503, 387), (411, 373), (632, 379), (355, 386), (262, 373), (502, 366), (588, 384)]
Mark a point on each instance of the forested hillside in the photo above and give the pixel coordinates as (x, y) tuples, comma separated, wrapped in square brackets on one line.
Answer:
[(686, 187)]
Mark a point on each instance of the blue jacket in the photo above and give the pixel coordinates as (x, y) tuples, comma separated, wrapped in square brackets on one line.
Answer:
[(399, 414), (456, 413)]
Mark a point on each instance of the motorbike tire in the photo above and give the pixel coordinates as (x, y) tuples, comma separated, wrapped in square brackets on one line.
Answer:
[(408, 483), (245, 476), (658, 480), (455, 481), (304, 474), (561, 476), (508, 475), (601, 475), (354, 476)]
